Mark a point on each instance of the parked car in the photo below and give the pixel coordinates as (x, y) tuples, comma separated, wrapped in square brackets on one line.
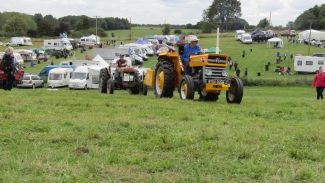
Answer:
[(31, 81)]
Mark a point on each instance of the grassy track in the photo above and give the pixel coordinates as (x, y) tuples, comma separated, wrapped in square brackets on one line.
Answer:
[(276, 135)]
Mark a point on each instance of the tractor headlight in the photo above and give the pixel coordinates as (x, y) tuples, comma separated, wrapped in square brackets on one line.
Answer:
[(208, 72), (224, 73)]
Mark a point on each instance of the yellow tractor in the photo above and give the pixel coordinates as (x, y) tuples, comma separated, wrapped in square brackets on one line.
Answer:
[(208, 76)]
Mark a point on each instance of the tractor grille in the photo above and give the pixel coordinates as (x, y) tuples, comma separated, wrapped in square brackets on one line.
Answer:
[(216, 61), (215, 75)]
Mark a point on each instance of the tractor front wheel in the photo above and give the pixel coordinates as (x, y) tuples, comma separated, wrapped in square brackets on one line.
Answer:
[(236, 91), (212, 97), (164, 80), (186, 89)]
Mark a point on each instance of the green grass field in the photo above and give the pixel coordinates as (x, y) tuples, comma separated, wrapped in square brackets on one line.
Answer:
[(275, 135)]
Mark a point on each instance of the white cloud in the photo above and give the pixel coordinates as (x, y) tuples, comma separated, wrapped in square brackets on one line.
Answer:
[(159, 11), (283, 11)]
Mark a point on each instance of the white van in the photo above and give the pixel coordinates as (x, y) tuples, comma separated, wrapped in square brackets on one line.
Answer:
[(246, 39), (20, 41), (59, 77), (91, 40), (239, 34), (308, 64), (58, 44), (85, 77)]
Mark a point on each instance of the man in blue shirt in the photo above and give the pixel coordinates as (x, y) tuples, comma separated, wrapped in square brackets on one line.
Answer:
[(189, 50)]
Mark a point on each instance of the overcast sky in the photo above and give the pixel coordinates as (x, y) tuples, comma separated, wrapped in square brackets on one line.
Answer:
[(160, 11)]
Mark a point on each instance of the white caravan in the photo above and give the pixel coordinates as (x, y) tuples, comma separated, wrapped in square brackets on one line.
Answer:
[(91, 40), (246, 39), (85, 77), (58, 44), (20, 41), (239, 34), (59, 77), (308, 64)]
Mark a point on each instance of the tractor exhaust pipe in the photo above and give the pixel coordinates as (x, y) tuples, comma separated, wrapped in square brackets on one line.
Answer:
[(217, 48)]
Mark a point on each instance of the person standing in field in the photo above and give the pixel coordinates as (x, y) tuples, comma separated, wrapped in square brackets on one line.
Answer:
[(319, 83), (230, 63), (236, 65), (8, 65)]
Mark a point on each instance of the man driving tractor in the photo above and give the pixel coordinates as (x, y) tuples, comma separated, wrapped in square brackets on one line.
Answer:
[(189, 50), (121, 63)]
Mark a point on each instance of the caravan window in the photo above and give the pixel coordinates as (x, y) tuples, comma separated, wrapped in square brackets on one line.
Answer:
[(82, 40), (320, 62), (309, 63), (55, 44), (55, 77), (48, 43), (300, 63)]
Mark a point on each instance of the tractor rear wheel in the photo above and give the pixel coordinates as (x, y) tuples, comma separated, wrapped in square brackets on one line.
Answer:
[(186, 91), (164, 80), (110, 86), (135, 90), (103, 79), (236, 91)]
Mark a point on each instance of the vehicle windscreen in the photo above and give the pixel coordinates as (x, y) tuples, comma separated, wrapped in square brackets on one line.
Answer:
[(79, 75), (55, 77), (26, 78), (137, 51)]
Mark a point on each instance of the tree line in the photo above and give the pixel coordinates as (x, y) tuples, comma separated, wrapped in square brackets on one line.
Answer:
[(226, 14), (20, 24), (314, 17)]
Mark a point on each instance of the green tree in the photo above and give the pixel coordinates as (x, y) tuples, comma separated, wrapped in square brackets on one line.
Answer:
[(290, 25), (48, 26), (264, 23), (166, 29), (178, 31), (16, 26), (221, 12), (314, 16)]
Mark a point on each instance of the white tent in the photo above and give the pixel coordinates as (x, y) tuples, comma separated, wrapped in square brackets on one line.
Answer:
[(276, 42), (101, 62), (313, 34)]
